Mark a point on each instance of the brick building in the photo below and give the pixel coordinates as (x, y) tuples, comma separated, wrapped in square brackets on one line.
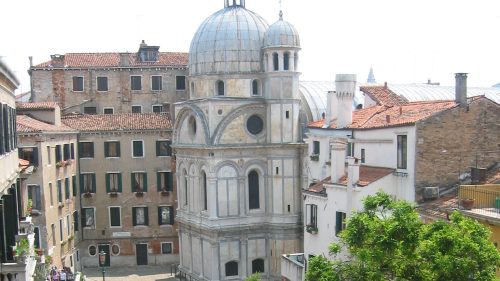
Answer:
[(127, 189), (95, 83), (50, 184)]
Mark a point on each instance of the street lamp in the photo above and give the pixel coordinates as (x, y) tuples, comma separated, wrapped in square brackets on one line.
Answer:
[(102, 261)]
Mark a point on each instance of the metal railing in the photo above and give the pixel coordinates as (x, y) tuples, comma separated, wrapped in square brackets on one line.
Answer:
[(480, 199)]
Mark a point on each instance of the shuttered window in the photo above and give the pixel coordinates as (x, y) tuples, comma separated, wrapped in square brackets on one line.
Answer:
[(115, 217), (139, 182), (165, 181), (140, 216), (87, 183), (165, 215), (113, 182)]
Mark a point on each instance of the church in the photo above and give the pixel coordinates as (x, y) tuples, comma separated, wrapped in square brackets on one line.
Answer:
[(239, 149)]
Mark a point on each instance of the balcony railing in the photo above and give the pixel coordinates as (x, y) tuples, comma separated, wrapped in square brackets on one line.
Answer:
[(482, 200)]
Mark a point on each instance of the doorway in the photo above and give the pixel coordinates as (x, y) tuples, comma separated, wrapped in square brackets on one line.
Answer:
[(141, 251)]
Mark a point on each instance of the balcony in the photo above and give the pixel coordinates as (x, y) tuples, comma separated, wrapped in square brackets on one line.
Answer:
[(292, 267), (480, 201)]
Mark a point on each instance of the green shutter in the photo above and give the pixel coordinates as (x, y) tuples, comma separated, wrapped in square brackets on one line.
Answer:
[(74, 185), (108, 188), (35, 156), (93, 184), (159, 215), (92, 150), (118, 149), (145, 182), (158, 179), (134, 221), (80, 149), (170, 182), (146, 216), (106, 149), (157, 148), (169, 149), (132, 181), (81, 184), (120, 182), (171, 212)]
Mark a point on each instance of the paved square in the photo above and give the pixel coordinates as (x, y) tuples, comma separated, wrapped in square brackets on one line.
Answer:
[(131, 273)]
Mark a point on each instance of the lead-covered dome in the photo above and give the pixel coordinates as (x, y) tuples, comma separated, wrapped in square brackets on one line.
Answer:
[(282, 34), (229, 41)]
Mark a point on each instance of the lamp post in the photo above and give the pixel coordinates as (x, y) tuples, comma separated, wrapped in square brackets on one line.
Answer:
[(102, 261)]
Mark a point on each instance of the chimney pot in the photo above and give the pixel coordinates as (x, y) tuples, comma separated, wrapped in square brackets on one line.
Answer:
[(400, 110), (388, 118), (461, 88), (385, 85)]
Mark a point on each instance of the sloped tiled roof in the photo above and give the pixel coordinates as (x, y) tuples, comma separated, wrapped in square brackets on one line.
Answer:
[(438, 209), (27, 124), (383, 95), (367, 175), (388, 116), (114, 122), (493, 177), (36, 105), (71, 60)]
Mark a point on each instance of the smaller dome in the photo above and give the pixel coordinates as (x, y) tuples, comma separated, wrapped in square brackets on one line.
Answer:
[(281, 34)]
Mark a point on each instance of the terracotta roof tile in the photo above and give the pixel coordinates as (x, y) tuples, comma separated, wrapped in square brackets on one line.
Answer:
[(125, 121), (36, 105), (27, 124), (319, 186), (383, 95), (75, 60), (438, 208), (493, 177), (388, 116), (368, 174)]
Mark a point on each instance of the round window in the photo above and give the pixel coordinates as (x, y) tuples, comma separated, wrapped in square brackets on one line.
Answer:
[(192, 126), (255, 124), (115, 249), (92, 250)]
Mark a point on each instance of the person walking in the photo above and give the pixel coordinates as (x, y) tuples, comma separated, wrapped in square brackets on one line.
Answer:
[(62, 275)]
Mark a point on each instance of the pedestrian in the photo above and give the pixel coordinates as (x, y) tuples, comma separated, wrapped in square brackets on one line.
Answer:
[(54, 275), (62, 275)]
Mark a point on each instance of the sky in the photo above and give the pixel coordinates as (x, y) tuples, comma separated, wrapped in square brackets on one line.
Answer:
[(405, 41)]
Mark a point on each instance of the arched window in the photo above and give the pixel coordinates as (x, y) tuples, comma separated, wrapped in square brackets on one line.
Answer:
[(220, 88), (185, 181), (255, 88), (232, 268), (257, 266), (253, 190), (204, 190), (286, 61), (276, 62)]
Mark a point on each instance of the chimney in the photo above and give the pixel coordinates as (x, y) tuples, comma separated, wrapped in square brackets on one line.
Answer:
[(338, 148), (57, 60), (388, 118), (352, 180), (345, 87), (461, 88), (331, 105), (124, 59)]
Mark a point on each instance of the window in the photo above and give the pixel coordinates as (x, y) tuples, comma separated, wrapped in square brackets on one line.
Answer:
[(232, 268), (115, 249), (59, 191), (340, 222), (113, 182), (112, 149), (312, 215), (156, 83), (185, 179), (316, 147), (37, 243), (276, 63), (49, 156), (253, 190), (136, 109), (51, 195), (402, 150), (287, 114), (89, 110), (205, 195), (73, 185), (139, 182), (157, 108), (108, 110), (137, 148), (66, 152), (87, 183), (115, 217), (135, 83), (255, 88), (86, 149), (166, 247), (88, 217), (257, 266), (58, 153), (165, 181), (180, 83), (68, 225), (255, 124), (53, 230), (350, 149), (220, 88), (163, 148), (165, 215), (286, 61), (66, 189), (140, 216), (92, 250), (362, 155), (77, 83), (72, 151), (61, 234), (29, 154), (35, 196), (102, 84), (75, 220)]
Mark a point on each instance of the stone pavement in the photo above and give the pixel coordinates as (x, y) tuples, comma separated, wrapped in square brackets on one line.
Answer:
[(131, 273)]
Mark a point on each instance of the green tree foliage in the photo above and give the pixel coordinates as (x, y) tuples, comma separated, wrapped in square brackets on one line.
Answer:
[(387, 241), (253, 277)]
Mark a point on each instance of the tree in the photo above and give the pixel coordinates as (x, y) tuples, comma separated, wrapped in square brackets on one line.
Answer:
[(253, 277), (387, 241)]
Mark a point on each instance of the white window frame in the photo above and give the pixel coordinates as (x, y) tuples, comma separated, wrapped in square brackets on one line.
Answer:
[(185, 83), (68, 224), (131, 83), (109, 215), (93, 148), (51, 195), (153, 106), (135, 105), (161, 84), (104, 108), (132, 150), (111, 249), (167, 224), (85, 226), (49, 156), (140, 225), (171, 248), (73, 85), (97, 84), (89, 173), (112, 157), (159, 156)]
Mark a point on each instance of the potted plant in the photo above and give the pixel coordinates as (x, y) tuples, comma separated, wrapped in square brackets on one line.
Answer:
[(87, 194), (22, 248), (165, 192), (312, 229), (39, 251), (29, 207), (314, 157), (467, 203)]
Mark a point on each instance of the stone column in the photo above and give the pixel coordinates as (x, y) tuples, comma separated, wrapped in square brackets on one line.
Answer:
[(215, 262), (243, 256), (291, 62), (212, 197), (242, 195), (280, 61)]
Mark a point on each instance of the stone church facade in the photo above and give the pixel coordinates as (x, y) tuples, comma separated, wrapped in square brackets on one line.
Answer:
[(239, 148)]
